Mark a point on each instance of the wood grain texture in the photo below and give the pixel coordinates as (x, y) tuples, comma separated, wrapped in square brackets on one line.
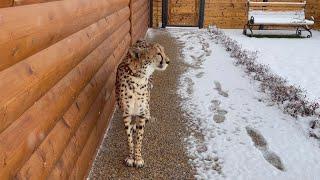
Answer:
[(6, 3), (138, 4), (64, 166), (38, 26), (26, 2), (139, 13), (140, 27), (71, 154), (44, 158), (37, 121), (84, 161), (57, 71), (22, 84), (232, 13)]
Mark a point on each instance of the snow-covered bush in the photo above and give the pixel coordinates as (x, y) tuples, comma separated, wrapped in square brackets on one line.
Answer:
[(291, 98)]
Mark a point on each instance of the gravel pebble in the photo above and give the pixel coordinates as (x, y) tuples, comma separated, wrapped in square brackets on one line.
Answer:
[(163, 145)]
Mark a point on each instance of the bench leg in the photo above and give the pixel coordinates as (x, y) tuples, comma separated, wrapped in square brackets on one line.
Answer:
[(305, 28), (250, 28), (309, 30), (298, 32), (244, 32)]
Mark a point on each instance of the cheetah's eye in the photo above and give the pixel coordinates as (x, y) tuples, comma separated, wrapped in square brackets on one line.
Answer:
[(159, 54)]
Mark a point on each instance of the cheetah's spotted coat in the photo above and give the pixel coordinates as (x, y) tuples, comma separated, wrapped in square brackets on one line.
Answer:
[(133, 86)]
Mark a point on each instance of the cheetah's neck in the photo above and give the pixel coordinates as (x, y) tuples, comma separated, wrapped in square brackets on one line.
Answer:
[(149, 71)]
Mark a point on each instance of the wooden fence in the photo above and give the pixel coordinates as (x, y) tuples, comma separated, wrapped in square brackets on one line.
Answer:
[(231, 13), (57, 71)]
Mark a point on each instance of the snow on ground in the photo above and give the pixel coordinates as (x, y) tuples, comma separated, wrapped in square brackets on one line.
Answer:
[(297, 60), (236, 133)]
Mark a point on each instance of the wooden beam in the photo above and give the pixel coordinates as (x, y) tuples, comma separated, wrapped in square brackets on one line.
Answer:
[(281, 4), (139, 27), (24, 83), (138, 4), (39, 26), (30, 129), (45, 157), (83, 163), (6, 3), (64, 166), (137, 15), (26, 2), (151, 13)]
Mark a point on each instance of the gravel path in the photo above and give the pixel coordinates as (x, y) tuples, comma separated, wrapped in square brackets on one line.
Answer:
[(163, 145)]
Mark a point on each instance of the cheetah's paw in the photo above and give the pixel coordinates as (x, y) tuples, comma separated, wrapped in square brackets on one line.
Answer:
[(129, 161), (139, 163)]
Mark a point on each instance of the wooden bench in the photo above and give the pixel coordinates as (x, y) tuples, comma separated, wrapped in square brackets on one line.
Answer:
[(276, 14)]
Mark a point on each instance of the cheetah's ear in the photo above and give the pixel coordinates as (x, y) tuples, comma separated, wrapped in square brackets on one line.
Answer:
[(135, 53)]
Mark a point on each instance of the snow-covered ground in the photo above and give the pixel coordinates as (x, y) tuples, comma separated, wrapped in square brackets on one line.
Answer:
[(237, 133), (297, 60)]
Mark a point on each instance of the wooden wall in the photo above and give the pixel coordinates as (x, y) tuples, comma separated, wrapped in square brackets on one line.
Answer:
[(232, 13), (157, 11), (225, 13), (313, 9), (184, 12), (57, 70)]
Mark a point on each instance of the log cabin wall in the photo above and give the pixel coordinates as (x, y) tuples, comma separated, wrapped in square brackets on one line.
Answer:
[(157, 11), (313, 9), (58, 62), (232, 13)]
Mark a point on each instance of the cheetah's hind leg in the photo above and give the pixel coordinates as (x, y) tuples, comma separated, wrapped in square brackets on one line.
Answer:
[(129, 128), (139, 162)]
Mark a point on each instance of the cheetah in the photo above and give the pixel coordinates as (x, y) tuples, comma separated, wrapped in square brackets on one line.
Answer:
[(133, 88)]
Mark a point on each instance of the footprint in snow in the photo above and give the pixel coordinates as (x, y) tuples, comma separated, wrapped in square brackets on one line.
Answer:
[(218, 118), (219, 89), (260, 142), (200, 75)]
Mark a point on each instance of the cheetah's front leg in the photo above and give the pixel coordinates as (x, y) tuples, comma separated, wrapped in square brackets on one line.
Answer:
[(139, 162), (129, 128)]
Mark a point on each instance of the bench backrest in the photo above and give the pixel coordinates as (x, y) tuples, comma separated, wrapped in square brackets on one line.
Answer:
[(277, 10)]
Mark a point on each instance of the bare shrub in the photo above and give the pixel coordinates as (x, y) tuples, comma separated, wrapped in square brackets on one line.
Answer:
[(292, 99)]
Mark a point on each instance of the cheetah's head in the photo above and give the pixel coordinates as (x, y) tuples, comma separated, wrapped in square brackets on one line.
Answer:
[(150, 56), (157, 57)]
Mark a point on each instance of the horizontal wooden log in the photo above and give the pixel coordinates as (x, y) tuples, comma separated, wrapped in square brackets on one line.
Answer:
[(282, 4), (139, 28), (20, 139), (136, 5), (44, 158), (140, 23), (141, 34), (88, 153), (6, 3), (136, 16), (26, 2), (136, 8), (38, 26), (68, 159), (22, 84)]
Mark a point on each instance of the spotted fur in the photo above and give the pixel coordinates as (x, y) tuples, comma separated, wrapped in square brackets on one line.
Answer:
[(133, 88)]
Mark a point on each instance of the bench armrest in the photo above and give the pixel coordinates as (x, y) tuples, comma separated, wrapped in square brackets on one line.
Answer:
[(312, 18)]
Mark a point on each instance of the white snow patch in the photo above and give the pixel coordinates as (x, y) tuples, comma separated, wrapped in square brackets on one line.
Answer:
[(224, 150), (297, 60)]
